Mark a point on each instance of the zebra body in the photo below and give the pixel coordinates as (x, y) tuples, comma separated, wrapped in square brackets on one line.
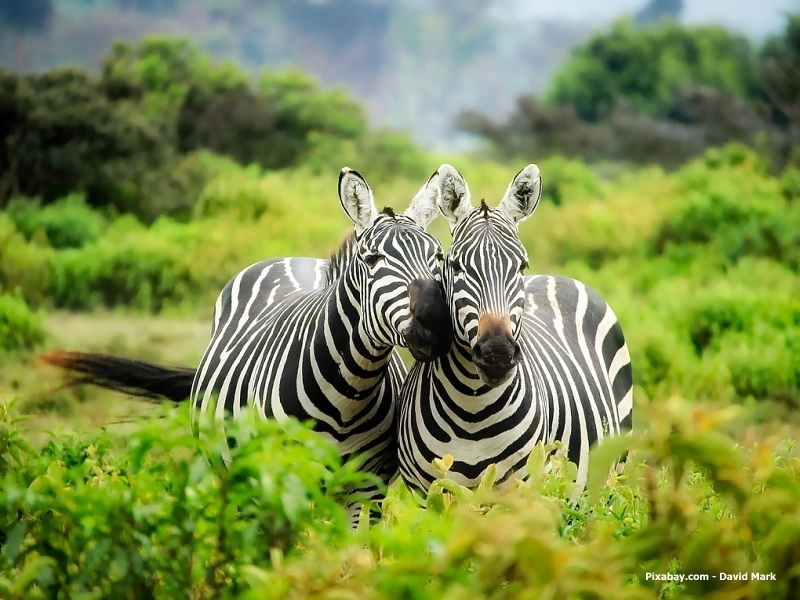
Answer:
[(535, 359), (281, 343)]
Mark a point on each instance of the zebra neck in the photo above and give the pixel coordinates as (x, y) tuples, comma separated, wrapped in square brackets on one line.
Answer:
[(346, 357), (466, 388)]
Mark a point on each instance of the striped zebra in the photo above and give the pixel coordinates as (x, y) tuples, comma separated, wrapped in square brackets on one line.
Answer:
[(535, 358), (315, 339)]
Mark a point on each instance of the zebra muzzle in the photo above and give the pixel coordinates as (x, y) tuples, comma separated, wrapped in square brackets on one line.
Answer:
[(430, 334), (496, 354)]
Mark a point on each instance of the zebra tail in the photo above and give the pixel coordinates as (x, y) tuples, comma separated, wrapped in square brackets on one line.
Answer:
[(133, 377)]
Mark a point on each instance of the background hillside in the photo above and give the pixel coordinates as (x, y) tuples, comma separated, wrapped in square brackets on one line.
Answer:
[(413, 64)]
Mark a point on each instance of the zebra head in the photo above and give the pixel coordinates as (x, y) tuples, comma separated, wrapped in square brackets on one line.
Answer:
[(483, 274), (398, 270)]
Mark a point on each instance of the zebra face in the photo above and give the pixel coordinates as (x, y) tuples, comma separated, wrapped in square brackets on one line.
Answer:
[(402, 296), (483, 273), (485, 292), (397, 269)]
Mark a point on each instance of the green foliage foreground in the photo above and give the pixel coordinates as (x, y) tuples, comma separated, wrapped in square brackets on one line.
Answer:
[(147, 516)]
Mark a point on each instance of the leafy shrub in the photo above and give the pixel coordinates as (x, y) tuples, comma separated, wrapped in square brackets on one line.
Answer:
[(62, 135), (730, 206), (152, 517), (24, 267), (790, 184), (148, 515), (141, 270), (765, 364), (20, 327), (245, 196), (567, 179), (67, 223)]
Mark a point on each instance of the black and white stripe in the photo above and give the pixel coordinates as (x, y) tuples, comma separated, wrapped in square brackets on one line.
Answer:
[(539, 358)]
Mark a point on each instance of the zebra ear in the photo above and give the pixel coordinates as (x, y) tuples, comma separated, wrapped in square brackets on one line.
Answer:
[(356, 198), (424, 208), (454, 199), (522, 196)]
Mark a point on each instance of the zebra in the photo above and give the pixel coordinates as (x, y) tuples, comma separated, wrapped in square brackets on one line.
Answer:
[(535, 358), (315, 339)]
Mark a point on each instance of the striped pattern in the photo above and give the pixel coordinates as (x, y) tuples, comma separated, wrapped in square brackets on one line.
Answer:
[(569, 372), (314, 339)]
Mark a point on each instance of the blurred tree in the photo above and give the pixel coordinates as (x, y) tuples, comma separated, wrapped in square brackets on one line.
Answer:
[(780, 60), (535, 130), (648, 67), (59, 133)]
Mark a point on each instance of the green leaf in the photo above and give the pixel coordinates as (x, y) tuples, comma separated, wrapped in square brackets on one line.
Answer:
[(38, 571), (15, 537), (602, 458)]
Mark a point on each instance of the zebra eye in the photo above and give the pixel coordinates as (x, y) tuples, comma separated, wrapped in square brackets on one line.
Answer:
[(523, 267), (372, 259), (455, 266), (440, 257)]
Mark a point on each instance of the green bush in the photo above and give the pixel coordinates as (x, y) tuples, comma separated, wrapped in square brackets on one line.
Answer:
[(731, 206), (146, 515), (244, 195), (20, 327), (790, 184), (567, 179), (152, 517), (765, 364), (24, 267), (140, 269), (67, 223), (381, 155)]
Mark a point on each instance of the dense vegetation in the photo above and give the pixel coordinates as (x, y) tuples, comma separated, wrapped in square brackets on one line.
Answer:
[(374, 47), (126, 195), (659, 95)]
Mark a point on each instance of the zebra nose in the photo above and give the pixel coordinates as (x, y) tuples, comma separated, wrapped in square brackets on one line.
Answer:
[(430, 333), (494, 350), (496, 357)]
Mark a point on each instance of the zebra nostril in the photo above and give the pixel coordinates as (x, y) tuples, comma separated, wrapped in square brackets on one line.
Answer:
[(477, 353)]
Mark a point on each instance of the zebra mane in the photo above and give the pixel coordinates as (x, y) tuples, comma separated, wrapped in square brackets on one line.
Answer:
[(341, 257), (485, 208), (389, 212)]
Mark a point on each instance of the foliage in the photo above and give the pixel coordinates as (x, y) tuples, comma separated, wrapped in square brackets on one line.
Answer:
[(20, 327), (780, 73), (136, 267), (63, 134), (67, 223), (658, 95), (214, 107), (147, 514), (647, 67), (24, 267), (126, 140), (732, 212), (151, 517)]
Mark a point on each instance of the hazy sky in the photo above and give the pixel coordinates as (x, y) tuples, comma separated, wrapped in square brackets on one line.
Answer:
[(755, 17)]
